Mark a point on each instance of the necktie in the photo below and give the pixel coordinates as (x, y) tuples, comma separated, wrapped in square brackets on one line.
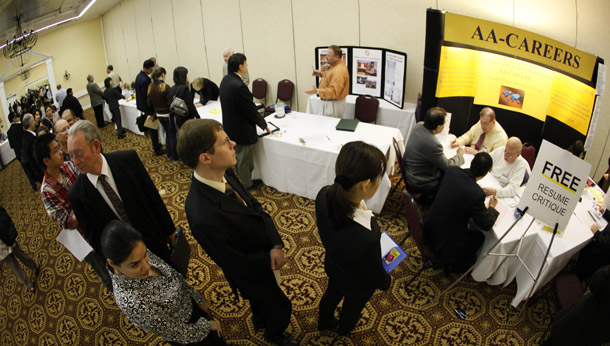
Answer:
[(229, 191), (114, 198), (480, 141)]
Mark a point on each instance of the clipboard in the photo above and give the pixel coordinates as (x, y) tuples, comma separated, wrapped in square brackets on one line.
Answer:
[(391, 253), (262, 133)]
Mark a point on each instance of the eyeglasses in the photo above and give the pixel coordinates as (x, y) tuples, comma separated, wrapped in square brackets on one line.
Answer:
[(227, 141), (511, 155), (487, 123)]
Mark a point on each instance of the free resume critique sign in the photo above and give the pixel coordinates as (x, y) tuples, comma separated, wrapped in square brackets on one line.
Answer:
[(555, 186)]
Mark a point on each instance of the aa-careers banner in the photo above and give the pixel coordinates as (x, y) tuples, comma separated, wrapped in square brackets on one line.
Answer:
[(521, 43)]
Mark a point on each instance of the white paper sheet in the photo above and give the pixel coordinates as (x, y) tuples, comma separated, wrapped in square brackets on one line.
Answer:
[(387, 244), (75, 243)]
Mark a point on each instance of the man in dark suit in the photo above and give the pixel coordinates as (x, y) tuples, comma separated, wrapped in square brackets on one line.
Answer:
[(71, 103), (32, 169), (459, 200), (141, 86), (231, 226), (15, 134), (240, 117), (115, 186)]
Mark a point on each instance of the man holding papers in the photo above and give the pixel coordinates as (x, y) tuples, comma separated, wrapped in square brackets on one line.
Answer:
[(240, 117), (231, 226), (58, 178), (509, 169)]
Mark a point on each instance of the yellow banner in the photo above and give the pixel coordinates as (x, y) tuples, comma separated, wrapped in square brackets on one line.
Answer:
[(513, 84), (571, 102), (457, 73), (521, 43)]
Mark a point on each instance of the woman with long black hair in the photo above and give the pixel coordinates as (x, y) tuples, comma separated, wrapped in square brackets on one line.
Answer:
[(351, 236)]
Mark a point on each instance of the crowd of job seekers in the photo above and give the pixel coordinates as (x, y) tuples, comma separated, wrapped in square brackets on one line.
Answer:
[(112, 201)]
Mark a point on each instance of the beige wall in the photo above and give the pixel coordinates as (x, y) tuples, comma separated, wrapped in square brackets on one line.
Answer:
[(279, 37), (77, 48)]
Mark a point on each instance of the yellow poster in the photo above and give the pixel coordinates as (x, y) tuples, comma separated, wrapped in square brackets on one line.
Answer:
[(571, 102), (514, 85), (457, 73)]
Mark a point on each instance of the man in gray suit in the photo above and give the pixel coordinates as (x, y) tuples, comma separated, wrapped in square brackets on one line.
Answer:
[(97, 102), (425, 162)]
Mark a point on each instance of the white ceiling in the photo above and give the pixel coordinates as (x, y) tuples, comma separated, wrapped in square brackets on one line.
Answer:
[(40, 13)]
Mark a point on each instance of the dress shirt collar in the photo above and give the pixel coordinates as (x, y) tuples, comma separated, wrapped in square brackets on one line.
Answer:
[(105, 171), (32, 132), (363, 216), (220, 186), (240, 77)]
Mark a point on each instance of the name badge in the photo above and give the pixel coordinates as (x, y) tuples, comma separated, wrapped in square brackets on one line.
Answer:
[(504, 178), (484, 149)]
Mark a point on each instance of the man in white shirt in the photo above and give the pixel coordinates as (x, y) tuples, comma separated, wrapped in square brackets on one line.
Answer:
[(60, 95), (509, 169)]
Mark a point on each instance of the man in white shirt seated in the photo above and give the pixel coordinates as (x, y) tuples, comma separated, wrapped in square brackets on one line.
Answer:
[(509, 169)]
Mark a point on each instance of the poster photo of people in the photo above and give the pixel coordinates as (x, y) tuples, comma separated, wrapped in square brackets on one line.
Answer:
[(367, 67)]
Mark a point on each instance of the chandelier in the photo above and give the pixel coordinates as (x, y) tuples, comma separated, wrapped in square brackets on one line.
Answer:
[(23, 41)]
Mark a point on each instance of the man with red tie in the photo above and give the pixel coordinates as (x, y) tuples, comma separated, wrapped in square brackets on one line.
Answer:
[(485, 136)]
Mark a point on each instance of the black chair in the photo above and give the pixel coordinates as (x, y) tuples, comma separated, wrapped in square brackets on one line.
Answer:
[(285, 89), (366, 109), (415, 223), (401, 165), (259, 91)]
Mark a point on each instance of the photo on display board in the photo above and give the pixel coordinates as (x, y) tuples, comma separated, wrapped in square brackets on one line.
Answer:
[(368, 69), (511, 97), (394, 78)]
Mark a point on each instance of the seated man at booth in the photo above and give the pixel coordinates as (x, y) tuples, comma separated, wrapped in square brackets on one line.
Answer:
[(485, 136), (425, 162), (459, 206), (509, 168)]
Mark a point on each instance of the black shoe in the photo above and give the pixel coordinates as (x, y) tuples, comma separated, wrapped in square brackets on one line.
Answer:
[(121, 136), (333, 324), (255, 184), (284, 341), (258, 324), (160, 152)]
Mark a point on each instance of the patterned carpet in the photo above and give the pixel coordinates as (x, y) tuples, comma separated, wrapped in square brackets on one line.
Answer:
[(70, 307)]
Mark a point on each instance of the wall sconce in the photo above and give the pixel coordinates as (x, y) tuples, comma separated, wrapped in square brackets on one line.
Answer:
[(66, 75)]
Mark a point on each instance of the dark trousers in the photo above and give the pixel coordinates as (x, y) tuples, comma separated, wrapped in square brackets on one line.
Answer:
[(154, 137), (99, 115), (211, 340), (98, 263), (171, 138), (11, 261), (462, 250), (29, 173), (352, 307), (116, 118), (270, 306)]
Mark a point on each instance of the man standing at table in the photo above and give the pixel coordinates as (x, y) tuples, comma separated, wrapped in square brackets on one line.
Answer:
[(447, 226), (510, 169), (96, 95), (485, 136), (425, 162), (141, 85), (240, 117), (225, 69), (232, 227), (116, 79), (334, 86)]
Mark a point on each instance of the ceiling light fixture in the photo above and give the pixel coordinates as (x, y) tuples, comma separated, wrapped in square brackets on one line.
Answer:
[(22, 41)]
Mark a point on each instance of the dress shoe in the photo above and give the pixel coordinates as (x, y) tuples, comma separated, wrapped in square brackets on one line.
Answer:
[(284, 341), (160, 152), (333, 324)]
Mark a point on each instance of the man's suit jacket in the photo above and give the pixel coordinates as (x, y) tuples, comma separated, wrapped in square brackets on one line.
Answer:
[(353, 253), (95, 94), (71, 102), (15, 138), (239, 114), (459, 199), (237, 237), (424, 160), (143, 205), (141, 86)]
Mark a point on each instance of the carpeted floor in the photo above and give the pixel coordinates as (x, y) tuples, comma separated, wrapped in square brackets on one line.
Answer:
[(70, 307)]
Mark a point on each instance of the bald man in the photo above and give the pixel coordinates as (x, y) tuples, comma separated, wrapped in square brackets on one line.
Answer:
[(485, 136), (225, 69), (509, 169), (68, 116)]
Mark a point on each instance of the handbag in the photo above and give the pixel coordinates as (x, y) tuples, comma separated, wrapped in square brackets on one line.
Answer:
[(178, 106), (151, 123)]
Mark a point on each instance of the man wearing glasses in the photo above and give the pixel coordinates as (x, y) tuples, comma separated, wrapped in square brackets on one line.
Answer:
[(485, 136), (509, 169)]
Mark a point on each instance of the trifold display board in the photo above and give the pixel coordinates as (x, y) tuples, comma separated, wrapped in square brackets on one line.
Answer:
[(376, 72), (540, 88)]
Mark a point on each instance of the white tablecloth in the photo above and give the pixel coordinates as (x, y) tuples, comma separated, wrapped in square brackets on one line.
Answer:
[(282, 162), (7, 153), (129, 114), (387, 115), (496, 271)]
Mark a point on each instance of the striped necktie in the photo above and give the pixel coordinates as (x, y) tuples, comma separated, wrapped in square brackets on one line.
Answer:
[(114, 198)]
